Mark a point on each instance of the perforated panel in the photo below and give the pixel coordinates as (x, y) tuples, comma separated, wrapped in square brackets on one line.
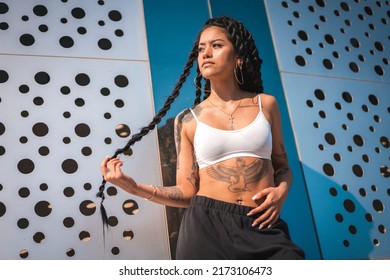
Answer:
[(334, 62), (74, 83), (347, 39), (343, 136)]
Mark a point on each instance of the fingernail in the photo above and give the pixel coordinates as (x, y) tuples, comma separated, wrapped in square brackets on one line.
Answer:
[(254, 197), (254, 224), (261, 227), (269, 226)]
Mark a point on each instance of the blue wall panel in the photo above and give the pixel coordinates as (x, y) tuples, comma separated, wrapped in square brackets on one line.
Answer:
[(334, 62), (171, 33), (296, 211), (171, 29), (342, 134)]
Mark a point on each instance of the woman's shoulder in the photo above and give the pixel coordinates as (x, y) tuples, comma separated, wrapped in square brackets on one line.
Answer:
[(267, 98), (188, 114), (270, 106), (269, 101), (184, 116), (185, 121)]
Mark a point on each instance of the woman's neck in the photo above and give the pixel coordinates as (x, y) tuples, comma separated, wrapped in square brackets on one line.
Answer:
[(226, 91)]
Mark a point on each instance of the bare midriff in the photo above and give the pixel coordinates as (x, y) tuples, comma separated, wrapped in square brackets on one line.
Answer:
[(236, 180)]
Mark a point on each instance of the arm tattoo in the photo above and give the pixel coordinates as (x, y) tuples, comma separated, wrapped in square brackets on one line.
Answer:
[(239, 176), (279, 175), (197, 110), (173, 193), (185, 116), (283, 154), (194, 177)]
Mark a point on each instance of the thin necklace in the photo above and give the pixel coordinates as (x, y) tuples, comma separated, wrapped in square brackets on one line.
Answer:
[(231, 118)]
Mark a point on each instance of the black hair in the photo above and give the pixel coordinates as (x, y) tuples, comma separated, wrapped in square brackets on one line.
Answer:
[(245, 47)]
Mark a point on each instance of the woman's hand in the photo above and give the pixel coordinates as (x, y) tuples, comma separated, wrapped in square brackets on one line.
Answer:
[(111, 170), (270, 207)]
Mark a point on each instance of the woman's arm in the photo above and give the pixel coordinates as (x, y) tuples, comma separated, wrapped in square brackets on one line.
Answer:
[(282, 173), (186, 176), (274, 197)]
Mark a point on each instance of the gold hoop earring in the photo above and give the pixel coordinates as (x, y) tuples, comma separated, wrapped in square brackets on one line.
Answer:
[(235, 74)]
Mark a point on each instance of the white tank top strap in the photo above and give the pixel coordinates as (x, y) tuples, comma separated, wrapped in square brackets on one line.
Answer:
[(261, 109), (193, 113)]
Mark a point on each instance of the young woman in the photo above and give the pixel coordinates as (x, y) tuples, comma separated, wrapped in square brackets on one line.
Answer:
[(232, 169)]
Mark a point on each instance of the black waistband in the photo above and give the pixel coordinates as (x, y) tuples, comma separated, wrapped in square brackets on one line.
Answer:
[(220, 205)]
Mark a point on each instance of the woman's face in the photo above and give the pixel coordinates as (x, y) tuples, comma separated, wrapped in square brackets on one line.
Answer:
[(217, 57)]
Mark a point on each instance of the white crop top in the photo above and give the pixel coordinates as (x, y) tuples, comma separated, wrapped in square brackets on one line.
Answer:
[(214, 145)]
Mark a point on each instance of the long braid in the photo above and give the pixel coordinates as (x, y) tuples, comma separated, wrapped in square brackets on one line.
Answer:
[(198, 86), (145, 130), (253, 62), (246, 48)]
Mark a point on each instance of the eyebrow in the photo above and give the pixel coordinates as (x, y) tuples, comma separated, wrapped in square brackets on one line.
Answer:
[(212, 41)]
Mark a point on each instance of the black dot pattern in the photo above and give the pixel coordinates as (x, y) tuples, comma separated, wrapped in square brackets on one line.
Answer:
[(75, 96), (78, 24), (358, 46), (345, 127), (334, 61)]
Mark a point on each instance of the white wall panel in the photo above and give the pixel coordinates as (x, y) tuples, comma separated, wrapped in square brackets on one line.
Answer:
[(59, 109), (73, 28)]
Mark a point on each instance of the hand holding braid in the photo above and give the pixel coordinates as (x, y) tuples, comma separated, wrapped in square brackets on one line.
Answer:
[(145, 130)]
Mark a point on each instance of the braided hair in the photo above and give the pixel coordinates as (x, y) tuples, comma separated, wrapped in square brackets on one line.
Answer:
[(245, 47)]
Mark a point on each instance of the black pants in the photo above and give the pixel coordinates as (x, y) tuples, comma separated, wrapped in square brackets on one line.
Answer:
[(218, 230)]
